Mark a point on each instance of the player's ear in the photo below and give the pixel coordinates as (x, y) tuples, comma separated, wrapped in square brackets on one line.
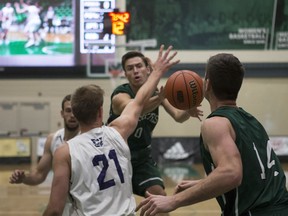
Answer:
[(207, 85), (125, 74), (100, 112), (149, 70)]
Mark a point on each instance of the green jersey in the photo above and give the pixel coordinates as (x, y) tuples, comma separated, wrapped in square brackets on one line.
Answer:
[(263, 188), (139, 142)]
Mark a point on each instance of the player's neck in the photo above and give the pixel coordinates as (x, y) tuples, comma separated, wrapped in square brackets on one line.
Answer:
[(70, 134), (217, 104), (86, 128)]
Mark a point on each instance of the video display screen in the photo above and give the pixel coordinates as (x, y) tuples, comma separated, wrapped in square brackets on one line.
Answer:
[(51, 33), (33, 33)]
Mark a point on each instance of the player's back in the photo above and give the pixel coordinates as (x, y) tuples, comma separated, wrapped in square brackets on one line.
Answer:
[(263, 186), (101, 173)]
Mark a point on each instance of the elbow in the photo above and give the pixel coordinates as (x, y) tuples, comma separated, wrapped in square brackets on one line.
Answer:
[(52, 212), (181, 117), (235, 179), (230, 178), (179, 120), (238, 176)]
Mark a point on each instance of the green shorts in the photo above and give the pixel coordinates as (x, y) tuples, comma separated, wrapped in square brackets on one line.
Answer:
[(145, 175)]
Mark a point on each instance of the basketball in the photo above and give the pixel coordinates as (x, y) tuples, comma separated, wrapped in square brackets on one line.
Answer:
[(184, 89)]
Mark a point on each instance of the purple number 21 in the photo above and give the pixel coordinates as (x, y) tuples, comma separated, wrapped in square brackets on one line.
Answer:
[(105, 162)]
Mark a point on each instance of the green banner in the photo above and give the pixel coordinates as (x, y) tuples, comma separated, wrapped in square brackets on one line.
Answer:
[(211, 24)]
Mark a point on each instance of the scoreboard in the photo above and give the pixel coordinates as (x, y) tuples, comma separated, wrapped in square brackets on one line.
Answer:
[(94, 35)]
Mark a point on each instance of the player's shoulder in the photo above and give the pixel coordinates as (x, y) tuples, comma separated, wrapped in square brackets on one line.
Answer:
[(215, 122), (121, 88), (62, 151), (52, 135), (120, 96), (49, 139), (61, 131)]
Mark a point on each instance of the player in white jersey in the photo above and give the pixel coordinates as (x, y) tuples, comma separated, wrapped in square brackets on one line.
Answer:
[(105, 145), (95, 168), (7, 19), (33, 23), (50, 15), (54, 140)]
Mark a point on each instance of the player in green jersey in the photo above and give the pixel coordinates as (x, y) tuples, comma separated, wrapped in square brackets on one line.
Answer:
[(146, 176), (243, 171)]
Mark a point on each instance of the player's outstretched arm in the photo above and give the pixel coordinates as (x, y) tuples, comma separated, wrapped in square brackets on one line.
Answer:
[(182, 115), (38, 174)]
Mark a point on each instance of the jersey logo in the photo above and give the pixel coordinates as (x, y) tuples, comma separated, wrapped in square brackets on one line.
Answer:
[(97, 142)]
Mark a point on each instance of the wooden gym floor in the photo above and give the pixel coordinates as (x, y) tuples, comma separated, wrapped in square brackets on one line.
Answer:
[(16, 200)]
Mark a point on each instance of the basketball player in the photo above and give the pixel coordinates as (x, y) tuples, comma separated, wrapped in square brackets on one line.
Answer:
[(95, 166), (7, 19), (33, 24), (53, 141), (137, 69), (50, 15), (243, 172)]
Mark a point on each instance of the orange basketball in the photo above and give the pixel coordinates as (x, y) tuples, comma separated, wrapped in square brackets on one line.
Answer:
[(184, 89)]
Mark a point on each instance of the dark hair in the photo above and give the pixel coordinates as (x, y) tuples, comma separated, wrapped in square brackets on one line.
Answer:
[(85, 103), (225, 73), (133, 54), (66, 98)]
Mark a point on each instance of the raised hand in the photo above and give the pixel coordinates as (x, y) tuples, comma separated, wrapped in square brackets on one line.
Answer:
[(163, 63)]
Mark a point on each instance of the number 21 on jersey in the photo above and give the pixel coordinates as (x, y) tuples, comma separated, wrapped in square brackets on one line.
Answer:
[(112, 157)]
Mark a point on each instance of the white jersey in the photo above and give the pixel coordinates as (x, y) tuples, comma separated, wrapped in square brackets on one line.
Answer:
[(50, 14), (101, 173), (7, 17), (33, 13), (33, 19), (57, 141)]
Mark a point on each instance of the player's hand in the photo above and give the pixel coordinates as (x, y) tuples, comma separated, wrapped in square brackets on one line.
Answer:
[(195, 112), (163, 62), (183, 185), (17, 177), (155, 204), (161, 93)]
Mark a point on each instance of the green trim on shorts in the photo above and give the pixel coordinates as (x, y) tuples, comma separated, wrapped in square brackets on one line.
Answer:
[(145, 175)]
